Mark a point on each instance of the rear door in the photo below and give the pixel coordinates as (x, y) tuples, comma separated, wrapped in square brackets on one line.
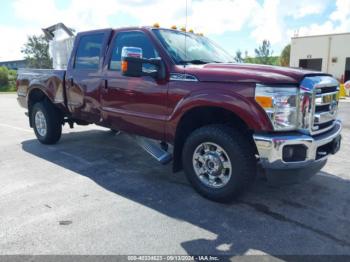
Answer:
[(84, 75), (134, 104)]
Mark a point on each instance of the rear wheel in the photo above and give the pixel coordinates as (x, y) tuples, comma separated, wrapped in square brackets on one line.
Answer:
[(219, 162), (47, 122)]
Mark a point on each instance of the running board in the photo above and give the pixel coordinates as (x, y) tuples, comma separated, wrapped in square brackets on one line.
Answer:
[(154, 149)]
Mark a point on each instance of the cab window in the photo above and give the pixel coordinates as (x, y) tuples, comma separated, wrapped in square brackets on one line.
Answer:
[(131, 39), (88, 52)]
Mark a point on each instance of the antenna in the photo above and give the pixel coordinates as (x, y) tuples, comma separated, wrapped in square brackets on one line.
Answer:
[(186, 34)]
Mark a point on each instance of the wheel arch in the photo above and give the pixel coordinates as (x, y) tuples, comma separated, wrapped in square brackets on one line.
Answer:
[(200, 116), (36, 94)]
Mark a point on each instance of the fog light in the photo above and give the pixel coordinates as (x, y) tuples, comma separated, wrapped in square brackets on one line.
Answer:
[(294, 153)]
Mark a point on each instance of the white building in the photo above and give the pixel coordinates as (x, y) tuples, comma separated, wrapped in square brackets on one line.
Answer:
[(327, 53)]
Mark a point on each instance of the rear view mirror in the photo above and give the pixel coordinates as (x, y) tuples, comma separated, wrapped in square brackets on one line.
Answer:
[(132, 64)]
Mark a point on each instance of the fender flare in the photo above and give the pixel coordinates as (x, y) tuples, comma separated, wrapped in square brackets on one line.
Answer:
[(244, 108)]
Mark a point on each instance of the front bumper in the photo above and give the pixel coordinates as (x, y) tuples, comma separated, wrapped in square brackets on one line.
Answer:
[(270, 149)]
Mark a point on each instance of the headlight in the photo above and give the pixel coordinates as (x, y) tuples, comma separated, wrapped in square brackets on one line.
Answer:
[(280, 104)]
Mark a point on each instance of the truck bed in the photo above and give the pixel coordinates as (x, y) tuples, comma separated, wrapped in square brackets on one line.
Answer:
[(49, 81)]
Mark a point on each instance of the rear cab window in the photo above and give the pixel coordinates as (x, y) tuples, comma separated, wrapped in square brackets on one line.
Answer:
[(88, 53)]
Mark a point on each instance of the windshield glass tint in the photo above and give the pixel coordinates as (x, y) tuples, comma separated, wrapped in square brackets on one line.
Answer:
[(199, 48)]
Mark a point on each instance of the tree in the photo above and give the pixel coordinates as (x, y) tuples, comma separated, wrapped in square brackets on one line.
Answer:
[(4, 79), (264, 53), (36, 52), (285, 56), (238, 57)]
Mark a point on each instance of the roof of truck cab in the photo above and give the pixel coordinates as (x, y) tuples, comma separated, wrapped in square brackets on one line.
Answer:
[(125, 28), (113, 29)]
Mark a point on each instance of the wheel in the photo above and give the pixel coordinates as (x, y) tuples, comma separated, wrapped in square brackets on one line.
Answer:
[(47, 122), (219, 162)]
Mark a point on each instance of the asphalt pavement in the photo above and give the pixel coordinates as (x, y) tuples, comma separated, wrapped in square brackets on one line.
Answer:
[(95, 193)]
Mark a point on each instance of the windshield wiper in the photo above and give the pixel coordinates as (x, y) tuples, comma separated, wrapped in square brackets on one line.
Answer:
[(194, 62)]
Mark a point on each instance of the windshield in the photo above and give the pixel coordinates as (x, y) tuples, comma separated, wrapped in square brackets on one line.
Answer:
[(200, 50)]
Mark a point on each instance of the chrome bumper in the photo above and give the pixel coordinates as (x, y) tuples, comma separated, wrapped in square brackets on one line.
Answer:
[(270, 149)]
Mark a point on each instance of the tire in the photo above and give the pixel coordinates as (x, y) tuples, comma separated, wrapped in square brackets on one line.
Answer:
[(44, 116), (228, 152)]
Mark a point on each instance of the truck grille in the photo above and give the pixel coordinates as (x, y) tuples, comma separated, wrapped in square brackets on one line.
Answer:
[(318, 104)]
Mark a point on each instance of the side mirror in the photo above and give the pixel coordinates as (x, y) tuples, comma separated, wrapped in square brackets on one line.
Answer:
[(132, 64)]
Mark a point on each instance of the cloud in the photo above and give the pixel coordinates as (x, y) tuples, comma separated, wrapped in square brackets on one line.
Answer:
[(10, 49), (79, 14), (269, 19), (337, 22), (267, 23), (217, 17), (300, 9)]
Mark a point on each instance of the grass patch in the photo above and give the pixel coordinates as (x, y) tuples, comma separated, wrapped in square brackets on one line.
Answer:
[(8, 88)]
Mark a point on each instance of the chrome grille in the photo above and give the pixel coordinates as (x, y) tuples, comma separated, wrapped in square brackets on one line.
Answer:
[(318, 104)]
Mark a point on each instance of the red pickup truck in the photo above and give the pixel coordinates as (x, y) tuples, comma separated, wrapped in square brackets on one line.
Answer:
[(182, 99)]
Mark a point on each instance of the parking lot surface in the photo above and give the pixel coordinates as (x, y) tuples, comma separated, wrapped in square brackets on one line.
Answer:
[(97, 193)]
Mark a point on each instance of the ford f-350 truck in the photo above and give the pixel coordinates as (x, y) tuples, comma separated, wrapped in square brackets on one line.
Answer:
[(181, 97)]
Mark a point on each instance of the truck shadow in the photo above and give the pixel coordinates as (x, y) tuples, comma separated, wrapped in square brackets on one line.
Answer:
[(308, 218)]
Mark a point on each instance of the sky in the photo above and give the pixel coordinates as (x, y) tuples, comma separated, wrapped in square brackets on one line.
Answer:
[(233, 24)]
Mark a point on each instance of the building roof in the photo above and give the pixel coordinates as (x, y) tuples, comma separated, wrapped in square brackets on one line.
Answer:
[(311, 36)]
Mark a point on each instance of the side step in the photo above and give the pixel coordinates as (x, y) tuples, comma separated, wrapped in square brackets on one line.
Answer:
[(154, 149)]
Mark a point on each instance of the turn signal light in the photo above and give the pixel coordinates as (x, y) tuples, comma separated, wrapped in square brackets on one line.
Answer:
[(124, 66), (264, 101)]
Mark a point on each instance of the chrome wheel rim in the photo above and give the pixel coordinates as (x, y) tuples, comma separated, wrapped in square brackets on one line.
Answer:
[(212, 165), (40, 123)]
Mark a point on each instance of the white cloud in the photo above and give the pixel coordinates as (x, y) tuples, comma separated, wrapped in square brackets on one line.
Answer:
[(11, 45), (267, 23), (267, 20), (300, 9), (79, 14), (337, 22), (216, 17)]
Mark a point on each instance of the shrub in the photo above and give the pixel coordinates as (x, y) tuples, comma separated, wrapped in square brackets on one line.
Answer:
[(4, 76)]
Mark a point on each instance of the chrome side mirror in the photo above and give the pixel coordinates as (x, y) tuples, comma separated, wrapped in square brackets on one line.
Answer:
[(132, 64), (130, 51)]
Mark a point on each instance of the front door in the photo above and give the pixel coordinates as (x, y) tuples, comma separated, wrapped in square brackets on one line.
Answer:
[(133, 104)]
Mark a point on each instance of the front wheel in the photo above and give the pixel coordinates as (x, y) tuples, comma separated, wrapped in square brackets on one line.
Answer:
[(46, 122), (219, 162)]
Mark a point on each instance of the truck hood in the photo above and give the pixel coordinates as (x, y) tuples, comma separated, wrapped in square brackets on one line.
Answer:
[(248, 73)]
